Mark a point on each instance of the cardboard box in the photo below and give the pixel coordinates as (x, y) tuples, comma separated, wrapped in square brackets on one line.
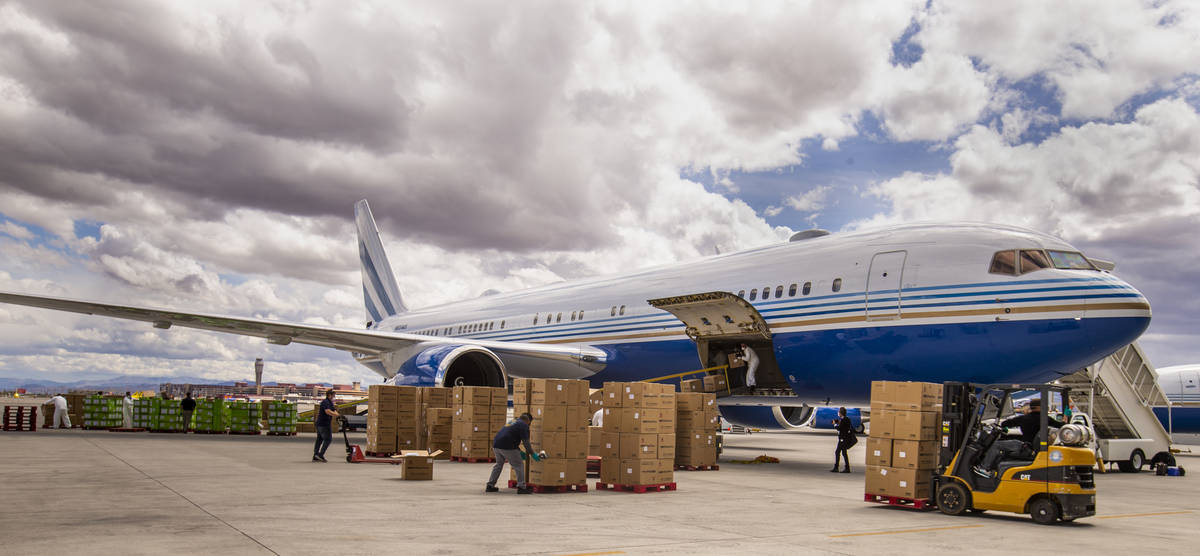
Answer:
[(715, 383), (610, 446), (521, 390), (736, 361), (638, 446), (879, 452), (878, 480), (693, 401), (596, 399), (666, 471), (438, 416), (916, 425), (909, 396), (595, 440), (475, 431), (666, 446), (610, 471), (703, 456), (476, 395), (417, 465), (634, 394), (914, 454), (634, 420), (576, 471), (883, 421), (690, 420), (577, 445), (548, 472), (553, 443), (910, 483), (639, 472), (472, 413), (434, 396), (549, 418), (471, 448), (612, 395), (691, 385), (578, 418)]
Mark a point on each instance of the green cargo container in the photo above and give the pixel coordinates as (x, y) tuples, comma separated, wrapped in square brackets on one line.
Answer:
[(145, 413), (170, 416), (211, 416), (102, 412), (244, 417)]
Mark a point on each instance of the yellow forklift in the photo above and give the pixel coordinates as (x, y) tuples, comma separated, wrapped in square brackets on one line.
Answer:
[(1050, 479)]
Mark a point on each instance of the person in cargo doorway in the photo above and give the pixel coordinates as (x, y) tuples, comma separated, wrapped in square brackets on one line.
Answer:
[(325, 416), (505, 448), (846, 440), (751, 360)]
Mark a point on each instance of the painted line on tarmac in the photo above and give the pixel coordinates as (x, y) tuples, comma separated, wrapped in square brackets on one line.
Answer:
[(1142, 515), (922, 530)]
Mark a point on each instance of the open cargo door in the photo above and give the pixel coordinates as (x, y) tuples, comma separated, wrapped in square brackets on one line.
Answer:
[(718, 322)]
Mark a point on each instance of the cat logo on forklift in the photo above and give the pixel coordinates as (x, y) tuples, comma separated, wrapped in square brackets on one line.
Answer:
[(1025, 476)]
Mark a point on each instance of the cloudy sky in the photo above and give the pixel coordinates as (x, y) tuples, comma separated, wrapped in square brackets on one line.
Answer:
[(207, 155)]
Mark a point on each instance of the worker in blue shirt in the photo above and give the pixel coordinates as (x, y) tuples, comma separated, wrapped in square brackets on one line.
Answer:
[(326, 413), (505, 447)]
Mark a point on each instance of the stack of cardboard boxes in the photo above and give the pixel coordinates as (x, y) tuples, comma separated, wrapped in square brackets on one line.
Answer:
[(382, 418), (211, 416), (281, 418), (638, 443), (710, 383), (902, 449), (479, 413), (439, 430), (696, 427), (560, 410), (431, 398), (595, 433), (170, 416), (244, 417), (145, 413), (74, 411)]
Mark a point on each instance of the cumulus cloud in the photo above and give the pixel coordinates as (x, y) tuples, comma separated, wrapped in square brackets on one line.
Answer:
[(809, 201)]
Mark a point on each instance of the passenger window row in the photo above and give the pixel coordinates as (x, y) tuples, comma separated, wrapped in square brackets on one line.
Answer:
[(791, 290)]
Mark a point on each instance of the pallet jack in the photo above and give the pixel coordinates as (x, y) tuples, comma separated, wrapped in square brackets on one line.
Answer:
[(355, 454)]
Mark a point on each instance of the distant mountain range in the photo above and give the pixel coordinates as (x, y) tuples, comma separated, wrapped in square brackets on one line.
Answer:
[(132, 383)]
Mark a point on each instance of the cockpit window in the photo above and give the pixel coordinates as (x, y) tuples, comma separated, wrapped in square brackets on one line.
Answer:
[(1004, 262), (1070, 260), (1033, 259)]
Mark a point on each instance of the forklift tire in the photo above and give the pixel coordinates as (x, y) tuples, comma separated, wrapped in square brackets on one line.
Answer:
[(953, 499), (1044, 511)]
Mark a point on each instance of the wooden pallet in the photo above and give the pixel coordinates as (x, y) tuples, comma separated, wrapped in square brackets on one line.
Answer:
[(246, 433), (167, 431), (900, 501), (209, 432), (636, 488), (130, 429), (281, 434), (472, 460), (541, 489), (697, 467)]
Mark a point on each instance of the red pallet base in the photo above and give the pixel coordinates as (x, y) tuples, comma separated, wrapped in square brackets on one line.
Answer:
[(379, 454), (697, 467), (246, 433), (636, 488), (899, 501), (123, 429), (540, 489), (472, 460)]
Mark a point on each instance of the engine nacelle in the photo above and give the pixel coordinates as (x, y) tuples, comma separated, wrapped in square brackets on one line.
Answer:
[(765, 417), (448, 365), (825, 416)]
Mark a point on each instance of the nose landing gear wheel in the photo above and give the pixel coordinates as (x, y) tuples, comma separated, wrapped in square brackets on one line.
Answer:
[(953, 499)]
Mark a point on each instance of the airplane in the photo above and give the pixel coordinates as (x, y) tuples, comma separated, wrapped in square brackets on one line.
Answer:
[(826, 313), (1181, 384)]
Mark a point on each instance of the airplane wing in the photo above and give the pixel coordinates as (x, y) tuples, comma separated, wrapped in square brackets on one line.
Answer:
[(371, 342)]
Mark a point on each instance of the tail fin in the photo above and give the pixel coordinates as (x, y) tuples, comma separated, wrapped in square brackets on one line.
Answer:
[(380, 292)]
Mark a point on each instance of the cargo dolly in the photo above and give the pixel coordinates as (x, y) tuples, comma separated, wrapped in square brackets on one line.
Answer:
[(354, 453)]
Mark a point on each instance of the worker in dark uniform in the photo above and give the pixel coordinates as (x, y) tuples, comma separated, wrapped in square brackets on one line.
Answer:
[(188, 405), (846, 440), (326, 413), (1029, 422), (505, 447)]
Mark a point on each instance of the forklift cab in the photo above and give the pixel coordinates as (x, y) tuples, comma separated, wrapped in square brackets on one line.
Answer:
[(1044, 477)]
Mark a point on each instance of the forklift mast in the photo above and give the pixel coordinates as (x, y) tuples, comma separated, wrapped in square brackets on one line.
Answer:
[(958, 405)]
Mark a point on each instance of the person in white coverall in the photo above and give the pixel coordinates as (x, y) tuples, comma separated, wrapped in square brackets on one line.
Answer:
[(61, 419), (751, 360), (598, 418), (127, 410)]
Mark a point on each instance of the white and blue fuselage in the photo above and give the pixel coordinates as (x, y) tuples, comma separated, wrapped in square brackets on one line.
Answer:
[(930, 302)]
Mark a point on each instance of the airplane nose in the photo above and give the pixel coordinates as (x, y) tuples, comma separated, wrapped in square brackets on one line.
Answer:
[(1116, 316)]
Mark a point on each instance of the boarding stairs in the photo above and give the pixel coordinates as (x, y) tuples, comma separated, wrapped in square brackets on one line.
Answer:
[(1119, 393)]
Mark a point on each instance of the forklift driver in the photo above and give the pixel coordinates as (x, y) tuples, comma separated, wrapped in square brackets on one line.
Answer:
[(1030, 422)]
